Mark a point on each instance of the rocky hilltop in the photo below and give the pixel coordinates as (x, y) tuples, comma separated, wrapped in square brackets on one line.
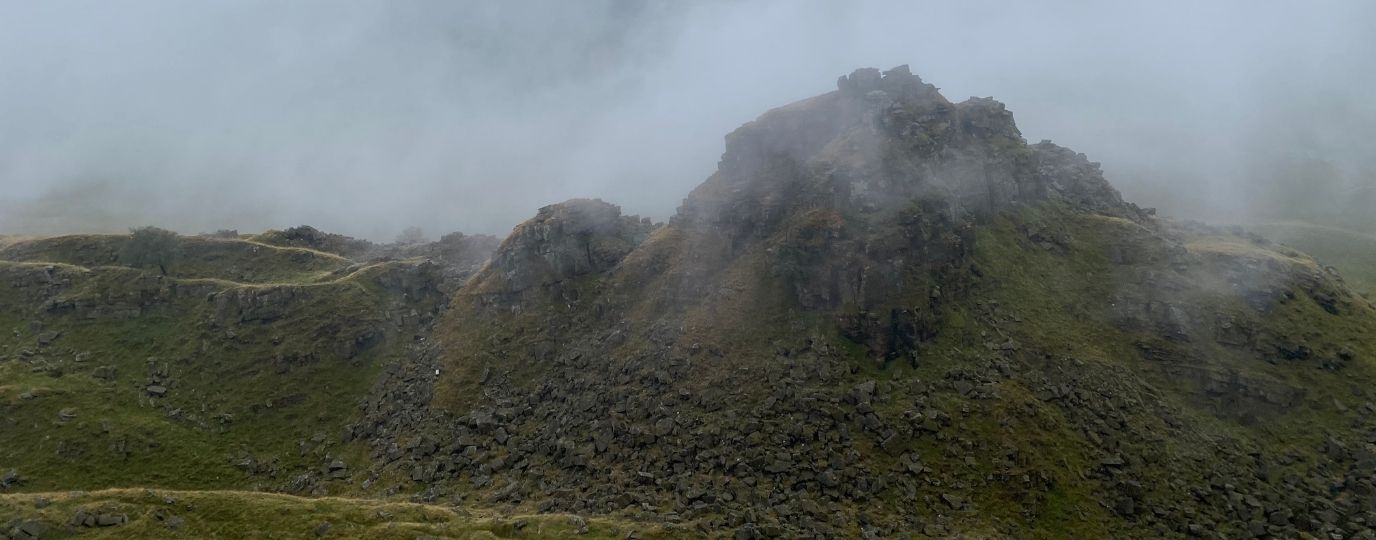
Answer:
[(886, 315)]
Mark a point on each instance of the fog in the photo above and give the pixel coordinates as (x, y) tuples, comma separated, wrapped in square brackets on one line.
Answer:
[(366, 117)]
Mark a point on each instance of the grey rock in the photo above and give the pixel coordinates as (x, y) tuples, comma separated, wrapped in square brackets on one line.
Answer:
[(30, 529), (9, 479), (747, 532), (580, 525), (104, 373), (89, 520), (664, 427), (864, 392), (156, 390), (48, 337)]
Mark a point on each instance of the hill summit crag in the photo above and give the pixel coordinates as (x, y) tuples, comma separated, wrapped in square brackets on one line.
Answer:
[(888, 314)]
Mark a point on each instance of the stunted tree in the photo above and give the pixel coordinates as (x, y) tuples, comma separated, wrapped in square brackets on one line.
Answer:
[(151, 246), (411, 236)]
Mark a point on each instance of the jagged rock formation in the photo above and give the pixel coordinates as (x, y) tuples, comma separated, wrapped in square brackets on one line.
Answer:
[(885, 315), (563, 242)]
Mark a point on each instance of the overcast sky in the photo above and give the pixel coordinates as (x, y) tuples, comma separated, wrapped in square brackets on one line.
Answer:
[(366, 117)]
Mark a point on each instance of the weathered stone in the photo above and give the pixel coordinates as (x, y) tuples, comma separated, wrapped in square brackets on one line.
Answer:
[(9, 479), (30, 529), (664, 426), (580, 525)]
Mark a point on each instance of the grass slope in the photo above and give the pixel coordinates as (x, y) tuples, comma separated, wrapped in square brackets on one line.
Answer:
[(229, 259), (1352, 253), (235, 514), (256, 380)]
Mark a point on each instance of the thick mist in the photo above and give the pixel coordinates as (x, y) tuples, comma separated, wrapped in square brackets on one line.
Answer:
[(367, 117)]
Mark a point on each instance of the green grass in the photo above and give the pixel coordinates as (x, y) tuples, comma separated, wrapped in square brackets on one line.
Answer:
[(237, 514), (237, 390), (1061, 295), (227, 259)]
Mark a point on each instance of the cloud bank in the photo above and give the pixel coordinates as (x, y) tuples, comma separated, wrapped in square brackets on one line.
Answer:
[(366, 117)]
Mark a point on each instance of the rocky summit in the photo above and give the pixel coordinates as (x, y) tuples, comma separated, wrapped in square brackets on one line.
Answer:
[(885, 315)]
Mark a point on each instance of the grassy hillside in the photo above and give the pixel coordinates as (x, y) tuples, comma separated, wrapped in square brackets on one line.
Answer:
[(1352, 253), (114, 377), (219, 258), (139, 513)]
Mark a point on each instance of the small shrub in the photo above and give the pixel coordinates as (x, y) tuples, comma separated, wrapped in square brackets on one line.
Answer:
[(151, 246)]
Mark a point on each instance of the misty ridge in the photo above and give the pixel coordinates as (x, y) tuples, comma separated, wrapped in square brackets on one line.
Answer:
[(367, 118), (750, 269)]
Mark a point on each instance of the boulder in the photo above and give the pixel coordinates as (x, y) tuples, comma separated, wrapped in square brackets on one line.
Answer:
[(9, 479), (29, 529)]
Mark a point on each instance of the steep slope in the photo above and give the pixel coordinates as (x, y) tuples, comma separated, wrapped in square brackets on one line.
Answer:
[(887, 313)]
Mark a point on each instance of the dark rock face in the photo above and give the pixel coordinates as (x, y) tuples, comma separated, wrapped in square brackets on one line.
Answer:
[(562, 242), (459, 256), (866, 201), (881, 141)]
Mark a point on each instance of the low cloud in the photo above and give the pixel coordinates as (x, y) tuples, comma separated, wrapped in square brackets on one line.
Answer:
[(367, 117)]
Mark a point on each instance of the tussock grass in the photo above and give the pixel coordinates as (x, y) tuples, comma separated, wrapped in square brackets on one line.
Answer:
[(240, 514)]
